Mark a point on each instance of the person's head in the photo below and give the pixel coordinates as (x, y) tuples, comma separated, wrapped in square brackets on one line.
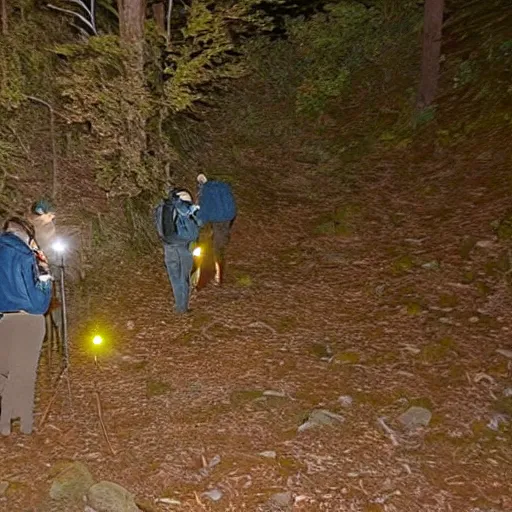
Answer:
[(44, 210), (201, 179), (21, 227)]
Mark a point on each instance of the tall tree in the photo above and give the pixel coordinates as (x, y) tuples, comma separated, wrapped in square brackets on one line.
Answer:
[(3, 15), (432, 34), (131, 20)]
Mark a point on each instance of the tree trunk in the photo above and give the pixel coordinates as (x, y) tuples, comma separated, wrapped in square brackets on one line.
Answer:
[(159, 15), (132, 15), (4, 16), (432, 30), (131, 20)]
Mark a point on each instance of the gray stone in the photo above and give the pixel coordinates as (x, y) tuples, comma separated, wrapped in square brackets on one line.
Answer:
[(431, 265), (415, 417), (321, 417), (214, 494), (269, 454), (282, 499), (110, 497), (71, 483)]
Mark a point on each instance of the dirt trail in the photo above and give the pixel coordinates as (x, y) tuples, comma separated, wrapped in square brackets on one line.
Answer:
[(310, 319)]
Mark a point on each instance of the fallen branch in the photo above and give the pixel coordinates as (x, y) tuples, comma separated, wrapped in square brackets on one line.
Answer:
[(54, 396), (391, 433), (102, 424)]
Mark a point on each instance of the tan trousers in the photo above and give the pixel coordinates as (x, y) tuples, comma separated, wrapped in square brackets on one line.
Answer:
[(21, 338)]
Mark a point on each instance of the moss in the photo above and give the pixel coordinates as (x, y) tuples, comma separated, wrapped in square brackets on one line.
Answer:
[(244, 396), (483, 288), (504, 230), (340, 222), (448, 300), (157, 388), (244, 281), (319, 350), (403, 264), (414, 308), (438, 350), (347, 357), (468, 277)]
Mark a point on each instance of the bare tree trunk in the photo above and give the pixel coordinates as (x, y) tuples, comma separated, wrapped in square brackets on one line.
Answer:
[(132, 14), (432, 33), (159, 15), (4, 17)]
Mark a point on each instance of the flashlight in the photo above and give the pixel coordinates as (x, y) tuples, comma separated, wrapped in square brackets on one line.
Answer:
[(59, 246), (197, 252), (97, 340)]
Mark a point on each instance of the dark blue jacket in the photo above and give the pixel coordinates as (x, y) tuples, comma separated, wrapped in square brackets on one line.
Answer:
[(216, 201), (20, 288)]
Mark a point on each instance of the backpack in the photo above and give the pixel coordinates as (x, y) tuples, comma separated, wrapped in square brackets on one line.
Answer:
[(217, 202), (175, 222)]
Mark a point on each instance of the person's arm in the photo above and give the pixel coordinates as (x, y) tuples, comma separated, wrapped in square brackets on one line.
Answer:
[(39, 292)]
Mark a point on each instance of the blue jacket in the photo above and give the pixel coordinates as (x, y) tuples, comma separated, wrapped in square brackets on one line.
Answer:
[(216, 201), (20, 288)]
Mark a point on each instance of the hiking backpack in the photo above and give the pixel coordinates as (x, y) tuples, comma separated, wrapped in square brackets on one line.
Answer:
[(174, 221)]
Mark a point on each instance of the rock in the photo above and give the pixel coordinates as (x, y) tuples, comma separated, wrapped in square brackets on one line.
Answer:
[(505, 352), (71, 483), (269, 454), (110, 497), (345, 400), (214, 494), (321, 417), (3, 487), (507, 392), (415, 417), (282, 499), (485, 244), (431, 265)]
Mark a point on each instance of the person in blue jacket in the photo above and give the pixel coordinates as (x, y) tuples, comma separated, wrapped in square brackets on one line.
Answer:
[(25, 294), (217, 208)]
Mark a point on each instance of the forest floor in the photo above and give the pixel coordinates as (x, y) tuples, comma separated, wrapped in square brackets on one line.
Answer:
[(360, 300), (361, 283)]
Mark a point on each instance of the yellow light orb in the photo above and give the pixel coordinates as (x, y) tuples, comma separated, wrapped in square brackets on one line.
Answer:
[(197, 251), (97, 340)]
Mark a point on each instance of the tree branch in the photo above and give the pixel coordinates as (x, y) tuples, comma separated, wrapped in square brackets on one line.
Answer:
[(169, 14), (78, 15)]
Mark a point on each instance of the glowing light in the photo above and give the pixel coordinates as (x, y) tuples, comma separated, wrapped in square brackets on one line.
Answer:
[(59, 246), (197, 252), (97, 340)]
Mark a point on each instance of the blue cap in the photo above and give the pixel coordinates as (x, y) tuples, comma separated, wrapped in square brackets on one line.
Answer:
[(42, 206)]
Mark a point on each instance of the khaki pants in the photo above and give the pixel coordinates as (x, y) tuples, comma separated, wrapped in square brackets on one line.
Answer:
[(21, 338)]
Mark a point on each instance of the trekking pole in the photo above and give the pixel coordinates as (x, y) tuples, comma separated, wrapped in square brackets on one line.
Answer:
[(60, 248)]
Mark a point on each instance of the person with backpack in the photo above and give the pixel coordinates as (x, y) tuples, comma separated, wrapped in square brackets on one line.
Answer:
[(178, 227), (217, 208), (25, 294)]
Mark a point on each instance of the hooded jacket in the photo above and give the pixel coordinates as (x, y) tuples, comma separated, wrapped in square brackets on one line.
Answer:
[(20, 288)]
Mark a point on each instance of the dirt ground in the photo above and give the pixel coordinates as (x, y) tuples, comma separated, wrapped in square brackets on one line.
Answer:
[(363, 303)]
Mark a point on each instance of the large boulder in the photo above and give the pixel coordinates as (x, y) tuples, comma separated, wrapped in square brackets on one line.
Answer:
[(110, 497)]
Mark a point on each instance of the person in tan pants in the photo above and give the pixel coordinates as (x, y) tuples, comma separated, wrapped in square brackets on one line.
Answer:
[(25, 294)]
